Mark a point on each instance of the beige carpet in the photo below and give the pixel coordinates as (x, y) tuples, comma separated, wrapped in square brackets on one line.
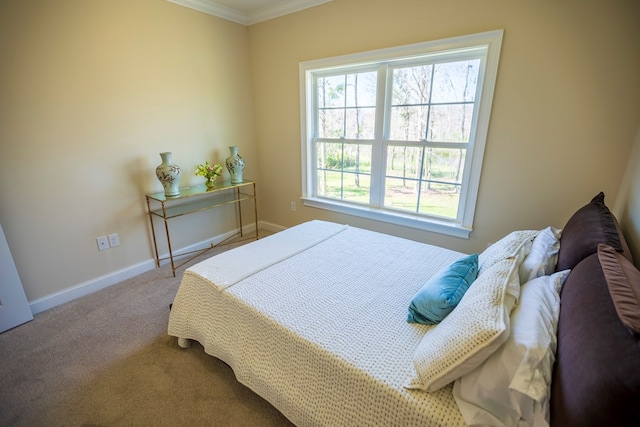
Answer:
[(106, 360)]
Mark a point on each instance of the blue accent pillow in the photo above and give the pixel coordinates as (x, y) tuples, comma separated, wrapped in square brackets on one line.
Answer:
[(440, 294)]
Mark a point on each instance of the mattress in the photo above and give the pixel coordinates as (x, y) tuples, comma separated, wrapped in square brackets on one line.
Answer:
[(320, 332)]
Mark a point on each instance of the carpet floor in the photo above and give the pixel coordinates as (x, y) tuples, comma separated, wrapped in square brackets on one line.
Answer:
[(106, 360)]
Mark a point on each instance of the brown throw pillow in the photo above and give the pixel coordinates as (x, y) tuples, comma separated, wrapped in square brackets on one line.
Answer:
[(596, 377), (623, 281), (590, 225)]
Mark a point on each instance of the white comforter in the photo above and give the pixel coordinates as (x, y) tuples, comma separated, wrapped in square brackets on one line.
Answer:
[(322, 334)]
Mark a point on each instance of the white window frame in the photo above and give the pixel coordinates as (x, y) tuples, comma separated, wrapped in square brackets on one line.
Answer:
[(490, 44)]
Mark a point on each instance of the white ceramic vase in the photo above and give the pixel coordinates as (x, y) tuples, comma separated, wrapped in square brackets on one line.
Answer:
[(168, 174), (235, 165)]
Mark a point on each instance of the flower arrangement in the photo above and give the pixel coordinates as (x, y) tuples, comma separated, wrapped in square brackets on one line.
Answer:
[(210, 172)]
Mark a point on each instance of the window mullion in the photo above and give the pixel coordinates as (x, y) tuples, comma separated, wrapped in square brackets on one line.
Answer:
[(378, 151), (421, 176), (429, 103)]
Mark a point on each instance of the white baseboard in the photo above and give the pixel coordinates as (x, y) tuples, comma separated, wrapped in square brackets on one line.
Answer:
[(83, 289), (274, 228)]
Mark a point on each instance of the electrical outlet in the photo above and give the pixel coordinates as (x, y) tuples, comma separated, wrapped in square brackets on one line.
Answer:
[(293, 206), (103, 243), (114, 240)]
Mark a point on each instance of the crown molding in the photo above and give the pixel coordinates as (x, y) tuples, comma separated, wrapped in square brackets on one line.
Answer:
[(215, 9), (252, 17), (281, 9)]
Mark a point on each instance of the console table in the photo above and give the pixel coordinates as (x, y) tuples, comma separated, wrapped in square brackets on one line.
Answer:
[(196, 199)]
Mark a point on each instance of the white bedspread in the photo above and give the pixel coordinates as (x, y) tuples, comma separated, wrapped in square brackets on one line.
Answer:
[(234, 265), (322, 335)]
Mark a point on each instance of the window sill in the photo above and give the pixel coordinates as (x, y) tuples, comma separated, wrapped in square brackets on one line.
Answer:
[(396, 218)]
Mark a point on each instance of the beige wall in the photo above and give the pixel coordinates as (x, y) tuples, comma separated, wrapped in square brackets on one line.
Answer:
[(565, 112), (90, 93), (627, 208)]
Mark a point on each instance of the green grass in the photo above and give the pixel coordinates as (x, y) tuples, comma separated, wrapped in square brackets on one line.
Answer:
[(432, 202)]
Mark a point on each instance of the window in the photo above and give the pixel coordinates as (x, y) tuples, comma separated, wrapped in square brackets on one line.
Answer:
[(398, 135)]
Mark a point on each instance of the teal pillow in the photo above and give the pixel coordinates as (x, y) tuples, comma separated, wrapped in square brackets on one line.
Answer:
[(440, 295)]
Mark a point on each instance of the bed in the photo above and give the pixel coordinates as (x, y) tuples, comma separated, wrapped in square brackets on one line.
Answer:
[(323, 320)]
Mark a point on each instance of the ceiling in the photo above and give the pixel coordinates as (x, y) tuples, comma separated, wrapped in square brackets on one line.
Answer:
[(249, 12)]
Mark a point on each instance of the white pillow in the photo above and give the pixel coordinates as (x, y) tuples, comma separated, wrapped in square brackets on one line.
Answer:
[(543, 257), (477, 326), (512, 386), (504, 247)]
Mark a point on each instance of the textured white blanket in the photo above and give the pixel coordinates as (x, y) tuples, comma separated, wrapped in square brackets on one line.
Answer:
[(323, 335)]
